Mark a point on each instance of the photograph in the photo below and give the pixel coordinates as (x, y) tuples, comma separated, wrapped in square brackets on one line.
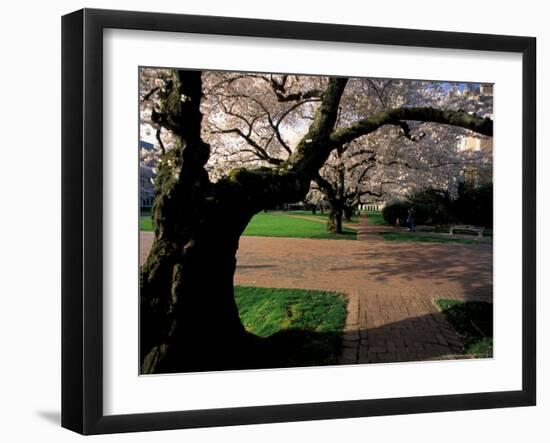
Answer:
[(293, 220)]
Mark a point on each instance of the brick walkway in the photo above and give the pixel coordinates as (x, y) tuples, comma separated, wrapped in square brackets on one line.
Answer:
[(390, 287)]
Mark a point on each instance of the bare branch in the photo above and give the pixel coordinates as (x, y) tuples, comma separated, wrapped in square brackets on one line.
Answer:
[(149, 94), (378, 92), (258, 150), (325, 186)]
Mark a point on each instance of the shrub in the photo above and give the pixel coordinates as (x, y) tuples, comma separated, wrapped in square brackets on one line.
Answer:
[(394, 211), (432, 206), (474, 204)]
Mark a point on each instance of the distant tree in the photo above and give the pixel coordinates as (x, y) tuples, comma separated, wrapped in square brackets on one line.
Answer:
[(397, 161)]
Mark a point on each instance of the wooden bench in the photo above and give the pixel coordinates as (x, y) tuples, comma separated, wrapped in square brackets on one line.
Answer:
[(470, 228)]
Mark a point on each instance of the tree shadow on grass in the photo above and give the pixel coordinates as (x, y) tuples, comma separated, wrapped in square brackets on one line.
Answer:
[(423, 338)]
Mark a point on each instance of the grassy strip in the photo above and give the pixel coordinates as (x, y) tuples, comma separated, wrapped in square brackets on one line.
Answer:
[(279, 225), (145, 223), (411, 237), (473, 321), (375, 218), (300, 327), (354, 218)]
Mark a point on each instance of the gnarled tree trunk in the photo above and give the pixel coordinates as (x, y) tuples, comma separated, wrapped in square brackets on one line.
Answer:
[(187, 307), (189, 319), (335, 215), (349, 211), (188, 316)]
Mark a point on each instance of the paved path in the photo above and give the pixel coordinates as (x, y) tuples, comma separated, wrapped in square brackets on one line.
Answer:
[(389, 285)]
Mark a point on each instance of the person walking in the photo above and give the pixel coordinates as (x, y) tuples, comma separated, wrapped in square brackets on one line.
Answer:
[(410, 220)]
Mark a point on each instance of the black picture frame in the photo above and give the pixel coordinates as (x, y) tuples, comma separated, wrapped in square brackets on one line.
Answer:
[(82, 234)]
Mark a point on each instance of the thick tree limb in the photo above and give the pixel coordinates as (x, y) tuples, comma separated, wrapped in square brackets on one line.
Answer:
[(325, 186), (315, 147), (181, 114), (366, 126)]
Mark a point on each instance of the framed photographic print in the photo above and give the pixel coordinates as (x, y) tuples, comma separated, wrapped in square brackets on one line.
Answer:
[(269, 221)]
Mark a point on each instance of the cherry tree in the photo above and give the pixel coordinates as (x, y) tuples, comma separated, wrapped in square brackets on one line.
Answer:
[(255, 120)]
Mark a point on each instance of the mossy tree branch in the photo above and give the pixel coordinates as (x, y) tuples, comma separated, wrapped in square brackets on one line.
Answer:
[(481, 125)]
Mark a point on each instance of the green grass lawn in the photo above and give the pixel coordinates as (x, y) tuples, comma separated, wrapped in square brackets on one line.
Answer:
[(354, 219), (145, 223), (473, 321), (375, 217), (411, 237), (267, 224), (300, 327)]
